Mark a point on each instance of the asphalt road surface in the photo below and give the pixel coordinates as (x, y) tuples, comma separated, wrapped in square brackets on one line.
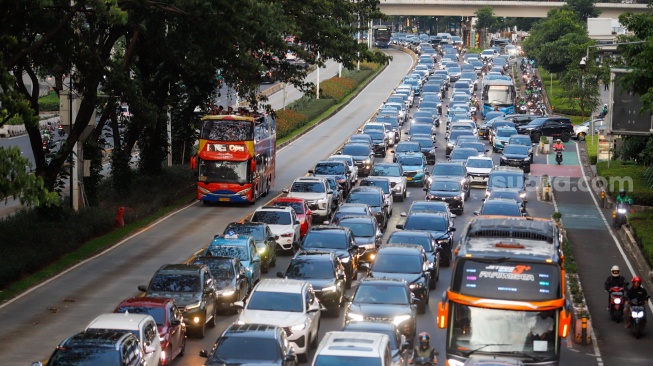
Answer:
[(36, 322)]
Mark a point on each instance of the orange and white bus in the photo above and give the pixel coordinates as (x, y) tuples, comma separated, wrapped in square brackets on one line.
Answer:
[(506, 297), (236, 157)]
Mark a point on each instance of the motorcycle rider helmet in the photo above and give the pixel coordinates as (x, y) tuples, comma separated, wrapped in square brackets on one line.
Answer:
[(615, 271), (637, 279), (559, 141), (622, 193), (424, 339)]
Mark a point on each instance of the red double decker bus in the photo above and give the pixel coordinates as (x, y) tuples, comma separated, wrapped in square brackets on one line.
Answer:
[(236, 157)]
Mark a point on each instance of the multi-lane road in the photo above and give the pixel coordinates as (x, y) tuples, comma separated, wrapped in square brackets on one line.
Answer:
[(34, 323)]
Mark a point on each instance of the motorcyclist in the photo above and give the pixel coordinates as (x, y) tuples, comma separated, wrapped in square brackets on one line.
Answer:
[(424, 349), (559, 146), (615, 280), (623, 197), (604, 110), (636, 293)]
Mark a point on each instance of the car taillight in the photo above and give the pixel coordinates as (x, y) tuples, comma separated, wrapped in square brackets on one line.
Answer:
[(286, 235)]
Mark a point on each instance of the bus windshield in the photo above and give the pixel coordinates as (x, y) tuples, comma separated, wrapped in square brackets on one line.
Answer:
[(532, 334), (227, 130), (499, 95), (223, 171)]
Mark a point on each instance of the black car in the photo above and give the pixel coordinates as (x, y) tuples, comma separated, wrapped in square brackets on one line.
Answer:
[(500, 206), (361, 138), (251, 344), (507, 177), (231, 282), (379, 141), (426, 146), (517, 156), (460, 154), (399, 347), (406, 262), (448, 190), (406, 147), (350, 209), (432, 206), (438, 226), (521, 119), (384, 300), (393, 120), (426, 241), (193, 288), (508, 193), (478, 146), (367, 235), (552, 126), (451, 139), (375, 199), (452, 170), (324, 272), (384, 184), (98, 347), (338, 240), (266, 241), (524, 141), (363, 156), (336, 169)]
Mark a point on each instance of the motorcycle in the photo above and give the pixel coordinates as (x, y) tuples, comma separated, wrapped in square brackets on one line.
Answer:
[(619, 214), (558, 156), (423, 361), (637, 317), (60, 130), (523, 109), (616, 303)]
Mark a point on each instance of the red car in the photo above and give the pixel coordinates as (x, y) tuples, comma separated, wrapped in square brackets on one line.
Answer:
[(169, 321), (304, 215)]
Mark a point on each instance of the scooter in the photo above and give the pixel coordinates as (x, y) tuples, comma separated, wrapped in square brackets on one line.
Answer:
[(637, 318), (558, 156), (619, 214), (523, 109), (423, 361), (60, 130), (616, 303)]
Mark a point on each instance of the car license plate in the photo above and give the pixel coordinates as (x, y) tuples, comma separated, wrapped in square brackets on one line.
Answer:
[(224, 199), (409, 178)]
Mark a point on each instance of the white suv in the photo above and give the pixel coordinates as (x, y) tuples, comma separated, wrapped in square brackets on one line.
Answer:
[(283, 223), (316, 192), (142, 326), (354, 348), (290, 304)]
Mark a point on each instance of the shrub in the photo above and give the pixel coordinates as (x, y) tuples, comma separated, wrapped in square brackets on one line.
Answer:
[(639, 192), (642, 225), (15, 121), (289, 120), (337, 88), (49, 103)]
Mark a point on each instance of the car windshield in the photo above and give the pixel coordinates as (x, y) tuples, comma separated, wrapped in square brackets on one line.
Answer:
[(297, 206), (308, 187), (340, 360), (422, 240), (175, 283), (462, 154), (85, 355), (423, 142), (506, 181), (387, 170), (442, 169), (321, 239), (506, 132), (397, 263), (360, 229), (356, 150), (301, 269), (347, 160), (370, 199), (255, 231), (221, 269), (272, 217), (426, 223), (381, 294), (375, 183), (229, 251), (513, 195), (500, 208), (410, 160), (247, 349), (157, 313), (516, 149), (521, 141), (223, 171), (479, 163), (335, 168), (276, 301)]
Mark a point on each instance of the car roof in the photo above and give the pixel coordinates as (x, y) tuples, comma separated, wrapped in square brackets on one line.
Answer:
[(354, 344), (146, 301), (97, 338), (252, 330), (280, 285), (179, 268), (394, 248), (313, 179), (120, 321), (278, 199)]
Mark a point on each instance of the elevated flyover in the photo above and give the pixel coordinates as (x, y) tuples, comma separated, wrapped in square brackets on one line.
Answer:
[(502, 8)]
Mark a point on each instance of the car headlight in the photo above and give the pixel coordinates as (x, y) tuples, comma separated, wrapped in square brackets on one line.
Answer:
[(227, 292), (368, 161), (329, 289), (298, 327), (400, 319), (262, 250), (355, 317), (504, 158), (522, 195), (416, 285), (344, 260), (193, 306), (527, 159), (452, 362), (487, 194), (443, 241), (463, 181)]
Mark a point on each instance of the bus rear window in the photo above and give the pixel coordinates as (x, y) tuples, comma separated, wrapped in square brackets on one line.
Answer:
[(514, 280), (226, 130)]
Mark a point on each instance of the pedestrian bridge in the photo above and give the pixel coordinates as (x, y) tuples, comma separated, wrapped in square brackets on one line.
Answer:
[(502, 8)]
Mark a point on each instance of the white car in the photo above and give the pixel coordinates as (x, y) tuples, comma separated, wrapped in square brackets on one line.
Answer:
[(478, 168), (489, 53), (142, 326), (583, 129), (290, 304), (316, 192), (353, 170), (283, 223), (395, 173)]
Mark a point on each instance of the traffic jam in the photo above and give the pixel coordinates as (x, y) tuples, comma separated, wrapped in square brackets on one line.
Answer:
[(361, 242)]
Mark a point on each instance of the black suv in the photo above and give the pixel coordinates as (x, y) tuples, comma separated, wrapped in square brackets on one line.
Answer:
[(266, 241), (430, 245), (448, 190), (452, 170), (231, 283), (193, 288), (251, 344), (98, 347), (373, 197), (367, 235), (436, 224), (552, 126), (324, 272), (336, 169), (363, 156), (335, 239), (517, 156)]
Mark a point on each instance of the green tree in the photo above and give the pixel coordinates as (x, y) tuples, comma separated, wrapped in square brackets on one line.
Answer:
[(17, 181), (637, 57), (486, 21), (583, 9), (582, 88)]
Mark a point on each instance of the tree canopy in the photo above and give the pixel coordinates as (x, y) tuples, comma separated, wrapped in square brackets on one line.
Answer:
[(637, 57)]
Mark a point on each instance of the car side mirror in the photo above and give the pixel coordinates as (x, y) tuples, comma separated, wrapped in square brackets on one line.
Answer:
[(280, 274), (239, 304), (311, 171), (285, 190), (273, 237), (477, 213), (175, 322), (452, 229), (330, 191), (341, 276), (142, 288), (364, 267), (204, 353)]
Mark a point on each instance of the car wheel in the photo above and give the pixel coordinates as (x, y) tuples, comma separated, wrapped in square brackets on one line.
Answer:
[(421, 308), (581, 136), (314, 340), (200, 331), (302, 357), (183, 348), (214, 317), (536, 137), (400, 198), (273, 262), (404, 194), (265, 266), (566, 136), (432, 283), (168, 355)]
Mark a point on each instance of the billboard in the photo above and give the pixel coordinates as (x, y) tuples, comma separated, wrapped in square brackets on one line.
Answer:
[(625, 115)]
